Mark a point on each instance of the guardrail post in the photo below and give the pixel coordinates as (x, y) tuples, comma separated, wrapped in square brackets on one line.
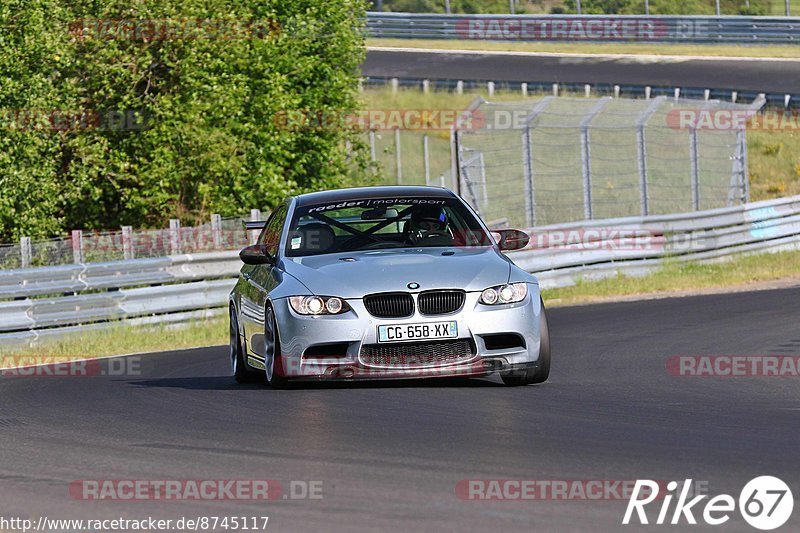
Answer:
[(216, 230), (127, 242), (175, 247), (398, 159), (586, 157), (255, 215), (77, 246), (25, 252)]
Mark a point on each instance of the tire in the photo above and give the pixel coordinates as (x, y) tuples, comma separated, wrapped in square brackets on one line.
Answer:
[(239, 369), (542, 370), (273, 362)]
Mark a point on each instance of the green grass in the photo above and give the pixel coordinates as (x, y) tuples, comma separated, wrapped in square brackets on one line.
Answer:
[(741, 272), (123, 339), (723, 50)]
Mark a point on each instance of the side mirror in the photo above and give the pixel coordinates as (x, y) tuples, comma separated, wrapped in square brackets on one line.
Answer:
[(255, 254), (512, 239)]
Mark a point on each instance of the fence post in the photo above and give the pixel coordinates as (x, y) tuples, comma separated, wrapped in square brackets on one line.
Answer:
[(25, 252), (527, 167), (695, 168), (426, 159), (216, 230), (586, 156), (77, 246), (454, 170), (641, 145), (745, 168), (255, 215), (372, 153), (737, 170), (127, 242), (175, 247), (527, 160), (397, 156)]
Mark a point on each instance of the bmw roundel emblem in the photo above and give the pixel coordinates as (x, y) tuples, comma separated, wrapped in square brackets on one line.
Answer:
[(413, 285)]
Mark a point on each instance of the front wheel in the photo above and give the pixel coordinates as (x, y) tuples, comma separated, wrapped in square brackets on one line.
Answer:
[(273, 362), (542, 370)]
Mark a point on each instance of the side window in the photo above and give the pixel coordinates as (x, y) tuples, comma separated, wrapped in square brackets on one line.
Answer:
[(271, 234)]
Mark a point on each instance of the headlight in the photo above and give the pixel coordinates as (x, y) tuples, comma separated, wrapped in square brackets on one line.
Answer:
[(318, 305), (504, 294)]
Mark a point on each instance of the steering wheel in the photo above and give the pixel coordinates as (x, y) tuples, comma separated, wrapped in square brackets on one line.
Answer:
[(419, 237), (346, 245)]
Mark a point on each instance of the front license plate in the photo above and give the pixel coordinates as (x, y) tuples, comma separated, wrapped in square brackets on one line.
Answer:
[(418, 332)]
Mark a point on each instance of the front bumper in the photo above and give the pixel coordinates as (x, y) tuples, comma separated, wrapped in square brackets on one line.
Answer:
[(330, 346)]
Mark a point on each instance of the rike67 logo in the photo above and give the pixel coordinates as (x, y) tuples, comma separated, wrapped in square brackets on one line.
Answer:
[(765, 503)]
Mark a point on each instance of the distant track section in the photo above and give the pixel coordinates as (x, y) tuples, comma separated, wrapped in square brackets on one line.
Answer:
[(740, 74)]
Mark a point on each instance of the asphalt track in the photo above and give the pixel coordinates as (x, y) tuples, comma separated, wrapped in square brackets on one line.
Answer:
[(743, 75), (390, 455)]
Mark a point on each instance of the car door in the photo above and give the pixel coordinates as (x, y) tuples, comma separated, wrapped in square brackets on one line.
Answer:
[(261, 279)]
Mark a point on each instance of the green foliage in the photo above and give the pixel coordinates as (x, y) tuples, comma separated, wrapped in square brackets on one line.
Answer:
[(209, 140), (612, 7), (669, 7)]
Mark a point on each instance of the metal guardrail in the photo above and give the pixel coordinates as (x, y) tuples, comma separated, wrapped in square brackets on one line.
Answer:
[(525, 88), (588, 28), (46, 302)]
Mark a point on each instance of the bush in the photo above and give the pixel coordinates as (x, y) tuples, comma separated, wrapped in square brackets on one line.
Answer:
[(200, 135)]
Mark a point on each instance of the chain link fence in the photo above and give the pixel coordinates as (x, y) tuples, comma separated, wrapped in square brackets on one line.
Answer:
[(556, 159)]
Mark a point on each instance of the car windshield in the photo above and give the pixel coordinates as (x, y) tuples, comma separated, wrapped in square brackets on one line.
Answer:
[(376, 223)]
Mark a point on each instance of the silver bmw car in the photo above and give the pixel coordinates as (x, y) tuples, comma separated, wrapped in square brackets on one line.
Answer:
[(384, 283)]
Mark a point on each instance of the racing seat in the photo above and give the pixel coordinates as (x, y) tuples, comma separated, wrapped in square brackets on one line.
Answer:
[(315, 238)]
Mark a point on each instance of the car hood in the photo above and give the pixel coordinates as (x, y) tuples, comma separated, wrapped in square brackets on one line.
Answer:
[(354, 274)]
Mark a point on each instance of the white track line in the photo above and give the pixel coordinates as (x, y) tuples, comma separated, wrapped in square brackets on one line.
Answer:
[(649, 58)]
